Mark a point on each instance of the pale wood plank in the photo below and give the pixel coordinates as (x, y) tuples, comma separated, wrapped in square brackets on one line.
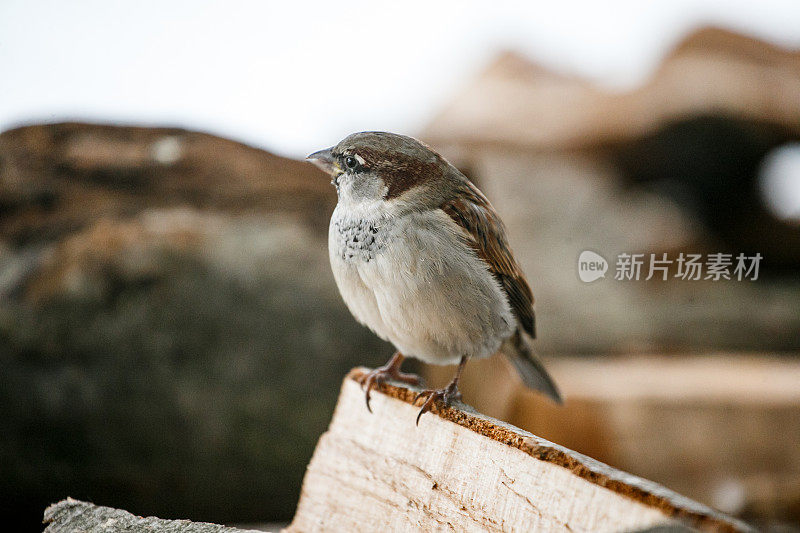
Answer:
[(462, 471)]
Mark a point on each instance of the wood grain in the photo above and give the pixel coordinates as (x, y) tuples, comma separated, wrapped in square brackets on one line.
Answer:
[(460, 470)]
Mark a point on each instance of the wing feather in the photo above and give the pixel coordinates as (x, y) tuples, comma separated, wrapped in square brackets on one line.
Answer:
[(485, 234)]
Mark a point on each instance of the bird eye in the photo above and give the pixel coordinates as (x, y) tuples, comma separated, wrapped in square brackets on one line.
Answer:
[(350, 162)]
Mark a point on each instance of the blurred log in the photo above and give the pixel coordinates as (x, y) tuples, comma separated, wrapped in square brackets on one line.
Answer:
[(518, 103), (68, 516), (107, 232), (463, 471), (59, 178)]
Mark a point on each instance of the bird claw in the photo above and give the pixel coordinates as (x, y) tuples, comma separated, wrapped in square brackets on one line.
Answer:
[(383, 374), (373, 378), (447, 395)]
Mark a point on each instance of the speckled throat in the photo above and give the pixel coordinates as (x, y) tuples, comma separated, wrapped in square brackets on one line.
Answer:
[(358, 240)]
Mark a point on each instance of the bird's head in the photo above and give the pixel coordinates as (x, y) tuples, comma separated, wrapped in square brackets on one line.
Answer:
[(376, 166)]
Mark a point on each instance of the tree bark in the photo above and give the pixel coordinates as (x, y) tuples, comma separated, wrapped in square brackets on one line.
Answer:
[(70, 516)]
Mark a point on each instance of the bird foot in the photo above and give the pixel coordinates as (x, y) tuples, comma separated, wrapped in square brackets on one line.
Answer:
[(447, 395), (383, 374)]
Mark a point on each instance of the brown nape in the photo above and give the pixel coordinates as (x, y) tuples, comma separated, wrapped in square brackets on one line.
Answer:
[(400, 171)]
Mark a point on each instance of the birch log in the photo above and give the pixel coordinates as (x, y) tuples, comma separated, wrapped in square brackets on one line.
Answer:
[(462, 471)]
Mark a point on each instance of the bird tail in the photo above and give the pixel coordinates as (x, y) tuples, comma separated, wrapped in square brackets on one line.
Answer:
[(530, 368)]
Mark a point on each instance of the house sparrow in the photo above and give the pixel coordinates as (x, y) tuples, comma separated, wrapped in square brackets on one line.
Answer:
[(421, 258)]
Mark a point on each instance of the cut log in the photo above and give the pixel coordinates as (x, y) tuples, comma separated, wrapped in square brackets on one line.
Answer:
[(69, 516), (460, 470)]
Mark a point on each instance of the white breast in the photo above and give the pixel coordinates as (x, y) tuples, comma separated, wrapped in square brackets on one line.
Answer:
[(412, 280)]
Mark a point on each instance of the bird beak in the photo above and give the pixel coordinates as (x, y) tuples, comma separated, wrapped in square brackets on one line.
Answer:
[(325, 161)]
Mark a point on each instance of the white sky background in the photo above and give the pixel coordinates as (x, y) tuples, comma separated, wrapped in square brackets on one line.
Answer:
[(293, 77)]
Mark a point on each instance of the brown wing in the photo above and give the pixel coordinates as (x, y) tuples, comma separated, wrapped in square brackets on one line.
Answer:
[(486, 235)]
